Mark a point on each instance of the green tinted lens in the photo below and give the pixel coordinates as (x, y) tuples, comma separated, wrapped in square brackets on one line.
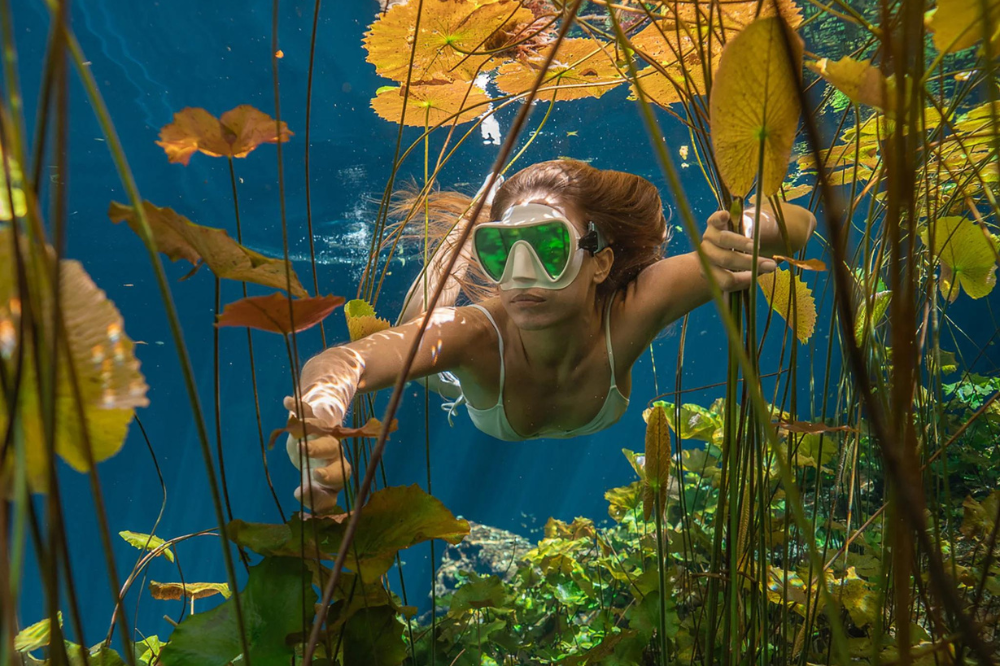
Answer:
[(550, 241), (491, 251)]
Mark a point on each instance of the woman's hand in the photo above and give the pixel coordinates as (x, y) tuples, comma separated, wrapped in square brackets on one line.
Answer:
[(730, 255), (325, 470)]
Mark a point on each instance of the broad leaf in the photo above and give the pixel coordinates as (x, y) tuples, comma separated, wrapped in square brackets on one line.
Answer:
[(968, 257), (959, 24), (881, 304), (657, 468), (235, 134), (695, 422), (273, 601), (374, 637), (580, 69), (37, 635), (361, 319), (777, 290), (273, 314), (479, 592), (102, 360), (394, 518), (449, 30), (430, 104), (147, 542), (858, 79), (149, 650), (168, 591), (624, 500), (180, 238), (754, 104), (672, 85)]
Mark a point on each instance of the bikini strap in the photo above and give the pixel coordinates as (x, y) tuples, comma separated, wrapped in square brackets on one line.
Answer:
[(500, 340), (607, 339)]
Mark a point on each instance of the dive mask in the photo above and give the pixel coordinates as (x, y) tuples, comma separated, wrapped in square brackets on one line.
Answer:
[(533, 246)]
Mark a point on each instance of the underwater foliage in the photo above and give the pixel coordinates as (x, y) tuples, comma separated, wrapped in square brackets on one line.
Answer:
[(842, 515)]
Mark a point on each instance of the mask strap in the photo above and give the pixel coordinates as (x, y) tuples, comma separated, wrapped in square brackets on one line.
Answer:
[(593, 241)]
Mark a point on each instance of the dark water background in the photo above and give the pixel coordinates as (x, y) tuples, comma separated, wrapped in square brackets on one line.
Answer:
[(152, 59)]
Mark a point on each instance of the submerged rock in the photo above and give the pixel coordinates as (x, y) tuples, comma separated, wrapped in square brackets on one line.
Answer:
[(486, 551)]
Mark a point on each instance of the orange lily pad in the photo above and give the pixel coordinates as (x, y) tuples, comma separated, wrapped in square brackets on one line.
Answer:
[(180, 238), (238, 132), (431, 103), (449, 30), (312, 427), (673, 86), (168, 591), (959, 24), (754, 106), (271, 313), (804, 264), (777, 288), (581, 68)]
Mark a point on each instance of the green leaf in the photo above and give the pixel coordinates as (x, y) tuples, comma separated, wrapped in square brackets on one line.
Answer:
[(479, 592), (180, 238), (36, 636), (695, 422), (272, 601), (149, 649), (393, 519), (624, 500), (880, 305), (361, 319), (147, 542), (374, 637)]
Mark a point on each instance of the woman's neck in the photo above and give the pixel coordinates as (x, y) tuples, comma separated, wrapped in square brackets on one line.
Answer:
[(565, 344)]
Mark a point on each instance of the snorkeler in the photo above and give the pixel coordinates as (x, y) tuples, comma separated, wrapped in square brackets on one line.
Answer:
[(581, 288)]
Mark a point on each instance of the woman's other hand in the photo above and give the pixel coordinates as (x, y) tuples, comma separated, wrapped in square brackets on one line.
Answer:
[(730, 255), (325, 470)]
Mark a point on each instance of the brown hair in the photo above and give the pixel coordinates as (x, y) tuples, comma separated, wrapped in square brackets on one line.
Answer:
[(626, 208)]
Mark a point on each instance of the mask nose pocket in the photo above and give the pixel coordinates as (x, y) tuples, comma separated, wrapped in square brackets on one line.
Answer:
[(523, 263)]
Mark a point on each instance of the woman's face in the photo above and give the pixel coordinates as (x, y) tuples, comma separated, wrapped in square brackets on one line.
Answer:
[(535, 308)]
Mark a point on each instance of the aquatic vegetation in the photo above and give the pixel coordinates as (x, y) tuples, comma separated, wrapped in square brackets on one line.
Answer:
[(847, 515)]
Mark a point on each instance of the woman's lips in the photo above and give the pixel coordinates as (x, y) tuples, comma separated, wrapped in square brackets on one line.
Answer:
[(527, 298)]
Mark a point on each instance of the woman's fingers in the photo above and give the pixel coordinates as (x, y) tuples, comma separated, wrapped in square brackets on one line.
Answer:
[(719, 220), (322, 447), (289, 404), (333, 476), (316, 498), (736, 260)]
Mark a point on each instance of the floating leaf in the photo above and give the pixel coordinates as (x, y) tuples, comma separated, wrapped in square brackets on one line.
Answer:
[(271, 313), (967, 253), (777, 290), (671, 85), (394, 518), (754, 104), (147, 542), (235, 134), (449, 30), (272, 602), (657, 468), (180, 238), (37, 635), (580, 69), (167, 591), (804, 264), (103, 363), (430, 104), (858, 79), (361, 319), (312, 427), (959, 24), (811, 450)]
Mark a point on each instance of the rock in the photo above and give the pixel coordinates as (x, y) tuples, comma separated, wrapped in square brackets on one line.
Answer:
[(486, 551)]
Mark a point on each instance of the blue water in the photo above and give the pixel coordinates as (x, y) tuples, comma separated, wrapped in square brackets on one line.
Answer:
[(152, 59)]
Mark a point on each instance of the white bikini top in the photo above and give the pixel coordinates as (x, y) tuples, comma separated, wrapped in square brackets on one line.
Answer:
[(493, 421)]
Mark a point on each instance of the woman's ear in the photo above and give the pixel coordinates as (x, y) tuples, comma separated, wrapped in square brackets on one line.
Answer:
[(605, 259)]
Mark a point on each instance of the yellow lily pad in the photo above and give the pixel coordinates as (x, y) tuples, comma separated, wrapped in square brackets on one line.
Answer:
[(754, 104), (146, 542), (361, 319), (777, 288), (431, 104), (100, 355), (449, 30), (858, 79), (670, 86), (188, 590), (968, 255), (959, 24), (580, 69)]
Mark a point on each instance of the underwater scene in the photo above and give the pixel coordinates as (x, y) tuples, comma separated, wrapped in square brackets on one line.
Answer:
[(499, 332)]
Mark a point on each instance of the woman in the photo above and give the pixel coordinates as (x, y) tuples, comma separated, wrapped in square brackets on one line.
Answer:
[(583, 288)]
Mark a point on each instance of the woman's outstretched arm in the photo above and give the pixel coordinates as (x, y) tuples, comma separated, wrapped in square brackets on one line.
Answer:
[(674, 286)]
